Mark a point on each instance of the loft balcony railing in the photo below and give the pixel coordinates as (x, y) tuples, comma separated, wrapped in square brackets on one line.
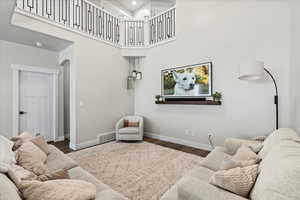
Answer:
[(89, 19)]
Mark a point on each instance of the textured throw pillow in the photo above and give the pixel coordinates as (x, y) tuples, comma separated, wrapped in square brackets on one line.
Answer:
[(237, 180), (229, 162), (20, 139), (7, 156), (18, 174), (58, 174), (244, 153), (41, 143), (58, 190), (32, 158), (128, 123)]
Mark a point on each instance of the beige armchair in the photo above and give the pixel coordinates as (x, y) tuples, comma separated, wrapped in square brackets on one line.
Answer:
[(130, 133)]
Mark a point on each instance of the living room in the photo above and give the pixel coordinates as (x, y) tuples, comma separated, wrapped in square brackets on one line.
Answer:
[(102, 82)]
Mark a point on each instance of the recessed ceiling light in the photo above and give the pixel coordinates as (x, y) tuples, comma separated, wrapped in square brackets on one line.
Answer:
[(39, 44), (133, 2)]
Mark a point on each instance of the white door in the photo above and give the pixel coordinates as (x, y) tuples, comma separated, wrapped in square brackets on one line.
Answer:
[(36, 103)]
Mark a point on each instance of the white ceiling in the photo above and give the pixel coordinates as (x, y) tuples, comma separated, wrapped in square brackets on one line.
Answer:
[(127, 4), (24, 36)]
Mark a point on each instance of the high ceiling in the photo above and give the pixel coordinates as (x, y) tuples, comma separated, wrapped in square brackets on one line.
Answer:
[(128, 5), (23, 36)]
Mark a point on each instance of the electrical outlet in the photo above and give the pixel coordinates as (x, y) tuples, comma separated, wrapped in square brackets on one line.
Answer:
[(187, 132)]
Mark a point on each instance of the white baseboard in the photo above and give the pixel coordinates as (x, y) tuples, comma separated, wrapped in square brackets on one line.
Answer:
[(179, 141), (89, 143)]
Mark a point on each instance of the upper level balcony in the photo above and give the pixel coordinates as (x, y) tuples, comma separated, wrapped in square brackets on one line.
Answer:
[(89, 19)]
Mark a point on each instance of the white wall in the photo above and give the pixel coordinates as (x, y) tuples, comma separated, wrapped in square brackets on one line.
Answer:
[(295, 58), (98, 75), (12, 53), (226, 33)]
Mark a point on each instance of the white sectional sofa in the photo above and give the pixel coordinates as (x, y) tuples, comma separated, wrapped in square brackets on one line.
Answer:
[(279, 177)]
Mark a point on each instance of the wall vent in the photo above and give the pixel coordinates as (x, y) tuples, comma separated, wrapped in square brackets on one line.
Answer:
[(106, 137)]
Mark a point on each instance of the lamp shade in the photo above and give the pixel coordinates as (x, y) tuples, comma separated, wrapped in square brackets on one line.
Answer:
[(252, 70)]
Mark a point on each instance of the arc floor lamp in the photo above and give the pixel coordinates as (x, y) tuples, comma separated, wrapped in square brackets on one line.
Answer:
[(255, 70)]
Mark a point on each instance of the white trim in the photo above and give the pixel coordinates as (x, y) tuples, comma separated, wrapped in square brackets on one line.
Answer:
[(16, 81), (86, 144), (179, 141), (35, 69)]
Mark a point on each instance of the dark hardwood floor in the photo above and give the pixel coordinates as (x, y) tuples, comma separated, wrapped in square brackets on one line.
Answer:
[(64, 146)]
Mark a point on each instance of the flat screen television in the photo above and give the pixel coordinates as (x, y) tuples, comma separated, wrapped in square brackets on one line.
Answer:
[(187, 82)]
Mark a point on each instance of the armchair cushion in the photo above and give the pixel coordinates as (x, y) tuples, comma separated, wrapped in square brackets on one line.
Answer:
[(128, 123), (129, 130)]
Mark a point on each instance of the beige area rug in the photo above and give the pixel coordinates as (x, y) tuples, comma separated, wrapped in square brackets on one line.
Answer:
[(139, 171)]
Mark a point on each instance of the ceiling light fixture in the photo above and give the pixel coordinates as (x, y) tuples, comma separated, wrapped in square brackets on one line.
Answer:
[(39, 44), (133, 2)]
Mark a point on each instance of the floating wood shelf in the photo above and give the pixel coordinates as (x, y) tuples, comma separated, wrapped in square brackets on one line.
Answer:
[(208, 102)]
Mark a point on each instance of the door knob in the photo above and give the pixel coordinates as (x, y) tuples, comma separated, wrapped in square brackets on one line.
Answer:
[(22, 112)]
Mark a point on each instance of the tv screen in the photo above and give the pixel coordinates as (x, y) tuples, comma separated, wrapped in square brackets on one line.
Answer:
[(192, 81)]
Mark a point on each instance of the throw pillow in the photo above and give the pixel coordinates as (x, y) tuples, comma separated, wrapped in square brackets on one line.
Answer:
[(7, 156), (58, 174), (20, 139), (58, 190), (32, 158), (128, 123), (41, 143), (229, 162), (214, 159), (237, 180), (233, 144), (18, 174), (244, 153)]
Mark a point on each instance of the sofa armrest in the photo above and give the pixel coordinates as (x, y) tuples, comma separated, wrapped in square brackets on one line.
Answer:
[(233, 144)]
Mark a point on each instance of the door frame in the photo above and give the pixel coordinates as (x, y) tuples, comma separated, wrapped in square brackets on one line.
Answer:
[(16, 95)]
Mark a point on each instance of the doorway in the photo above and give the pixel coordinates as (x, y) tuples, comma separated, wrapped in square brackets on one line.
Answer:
[(35, 101)]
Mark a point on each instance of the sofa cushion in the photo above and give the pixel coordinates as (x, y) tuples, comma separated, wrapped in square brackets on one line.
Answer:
[(280, 173), (275, 138), (129, 130), (194, 189), (8, 190), (201, 173), (41, 143), (58, 160), (32, 158), (55, 175), (214, 160), (58, 190), (103, 191), (17, 173), (20, 139), (244, 153), (7, 156)]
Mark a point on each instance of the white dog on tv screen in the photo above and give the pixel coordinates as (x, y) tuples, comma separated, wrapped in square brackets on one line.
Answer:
[(186, 84)]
